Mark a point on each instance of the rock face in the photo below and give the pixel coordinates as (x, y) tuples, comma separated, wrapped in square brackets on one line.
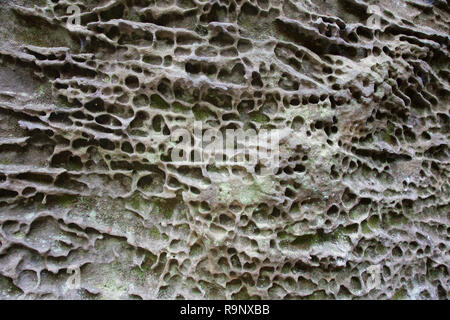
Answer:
[(93, 205)]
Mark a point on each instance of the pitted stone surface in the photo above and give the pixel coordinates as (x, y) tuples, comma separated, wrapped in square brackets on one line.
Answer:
[(92, 207)]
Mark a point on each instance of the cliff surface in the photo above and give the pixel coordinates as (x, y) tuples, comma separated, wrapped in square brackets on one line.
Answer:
[(93, 205)]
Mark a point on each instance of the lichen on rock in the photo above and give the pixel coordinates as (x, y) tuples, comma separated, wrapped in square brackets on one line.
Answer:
[(92, 205)]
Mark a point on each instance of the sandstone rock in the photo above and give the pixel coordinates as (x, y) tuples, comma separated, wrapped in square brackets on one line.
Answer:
[(93, 205)]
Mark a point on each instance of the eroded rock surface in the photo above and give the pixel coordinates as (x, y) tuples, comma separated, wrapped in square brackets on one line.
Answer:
[(91, 205)]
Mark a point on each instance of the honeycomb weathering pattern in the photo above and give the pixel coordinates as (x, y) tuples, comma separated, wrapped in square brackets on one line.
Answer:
[(92, 207)]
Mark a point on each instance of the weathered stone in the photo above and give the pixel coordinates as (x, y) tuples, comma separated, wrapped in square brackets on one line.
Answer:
[(92, 205)]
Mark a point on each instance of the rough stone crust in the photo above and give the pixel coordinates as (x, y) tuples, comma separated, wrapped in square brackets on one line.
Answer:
[(88, 191)]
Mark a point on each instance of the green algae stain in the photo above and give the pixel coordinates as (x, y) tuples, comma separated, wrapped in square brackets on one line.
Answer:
[(246, 194), (309, 240), (200, 113), (259, 117), (157, 102), (154, 233)]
